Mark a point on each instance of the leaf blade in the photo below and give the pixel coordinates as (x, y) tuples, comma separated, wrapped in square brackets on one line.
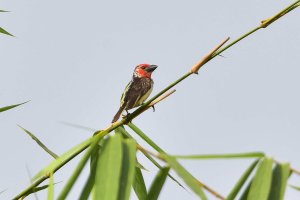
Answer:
[(242, 181), (188, 178), (42, 145), (86, 191), (158, 184), (128, 168), (261, 184), (222, 156), (3, 31), (279, 181), (109, 169), (65, 191), (139, 185), (11, 106)]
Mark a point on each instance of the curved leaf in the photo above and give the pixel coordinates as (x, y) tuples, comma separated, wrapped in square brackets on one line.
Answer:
[(241, 181), (261, 184), (108, 171), (157, 184), (279, 181), (128, 168), (139, 185)]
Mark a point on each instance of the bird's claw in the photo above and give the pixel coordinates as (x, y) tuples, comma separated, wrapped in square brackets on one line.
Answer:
[(153, 108)]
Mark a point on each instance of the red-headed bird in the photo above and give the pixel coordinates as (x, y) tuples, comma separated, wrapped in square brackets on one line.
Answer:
[(137, 90)]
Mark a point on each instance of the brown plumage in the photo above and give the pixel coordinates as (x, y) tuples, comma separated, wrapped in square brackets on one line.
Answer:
[(137, 90)]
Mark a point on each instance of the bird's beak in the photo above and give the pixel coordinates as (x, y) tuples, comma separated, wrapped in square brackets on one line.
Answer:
[(151, 68)]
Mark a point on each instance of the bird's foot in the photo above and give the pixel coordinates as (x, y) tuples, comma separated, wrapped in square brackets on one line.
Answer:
[(126, 117)]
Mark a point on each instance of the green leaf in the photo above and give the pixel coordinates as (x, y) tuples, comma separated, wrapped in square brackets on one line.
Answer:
[(12, 106), (5, 32), (261, 183), (4, 11), (295, 187), (122, 130), (65, 191), (188, 178), (145, 137), (241, 181), (86, 191), (279, 181), (128, 168), (139, 165), (59, 162), (37, 189), (40, 143), (246, 191), (139, 185), (157, 184), (109, 169), (222, 156), (51, 187)]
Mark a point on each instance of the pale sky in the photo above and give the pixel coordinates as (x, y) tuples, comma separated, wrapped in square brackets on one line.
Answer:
[(72, 59)]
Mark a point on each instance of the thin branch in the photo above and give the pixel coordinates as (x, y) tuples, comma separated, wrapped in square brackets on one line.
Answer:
[(206, 58), (209, 189), (156, 155), (162, 97), (263, 24)]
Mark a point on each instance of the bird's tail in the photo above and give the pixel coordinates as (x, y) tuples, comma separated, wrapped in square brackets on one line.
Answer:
[(117, 115)]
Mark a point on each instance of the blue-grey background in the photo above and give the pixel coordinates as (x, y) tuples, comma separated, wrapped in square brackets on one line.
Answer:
[(72, 59)]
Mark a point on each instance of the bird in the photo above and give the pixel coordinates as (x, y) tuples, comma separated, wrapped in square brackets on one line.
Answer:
[(137, 90)]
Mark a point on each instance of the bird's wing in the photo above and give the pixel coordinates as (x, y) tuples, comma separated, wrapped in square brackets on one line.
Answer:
[(136, 91)]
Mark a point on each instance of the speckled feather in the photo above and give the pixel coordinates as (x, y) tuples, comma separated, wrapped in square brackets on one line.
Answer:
[(135, 93)]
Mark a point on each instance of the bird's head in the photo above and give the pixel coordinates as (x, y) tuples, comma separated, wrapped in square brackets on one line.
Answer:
[(144, 70)]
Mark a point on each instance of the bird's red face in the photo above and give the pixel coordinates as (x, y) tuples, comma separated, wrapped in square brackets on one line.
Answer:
[(144, 70)]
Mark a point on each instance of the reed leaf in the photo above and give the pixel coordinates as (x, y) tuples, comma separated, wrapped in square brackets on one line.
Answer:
[(145, 137), (108, 171), (295, 187), (242, 181), (51, 153), (139, 185), (128, 168), (187, 177), (261, 184), (279, 181), (12, 106), (3, 31), (157, 184), (222, 156), (79, 168), (62, 160), (124, 132), (86, 191)]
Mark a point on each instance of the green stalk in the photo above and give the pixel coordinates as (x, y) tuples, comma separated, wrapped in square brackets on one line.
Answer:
[(264, 24)]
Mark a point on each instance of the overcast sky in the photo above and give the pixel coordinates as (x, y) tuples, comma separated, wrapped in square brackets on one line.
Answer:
[(72, 59)]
